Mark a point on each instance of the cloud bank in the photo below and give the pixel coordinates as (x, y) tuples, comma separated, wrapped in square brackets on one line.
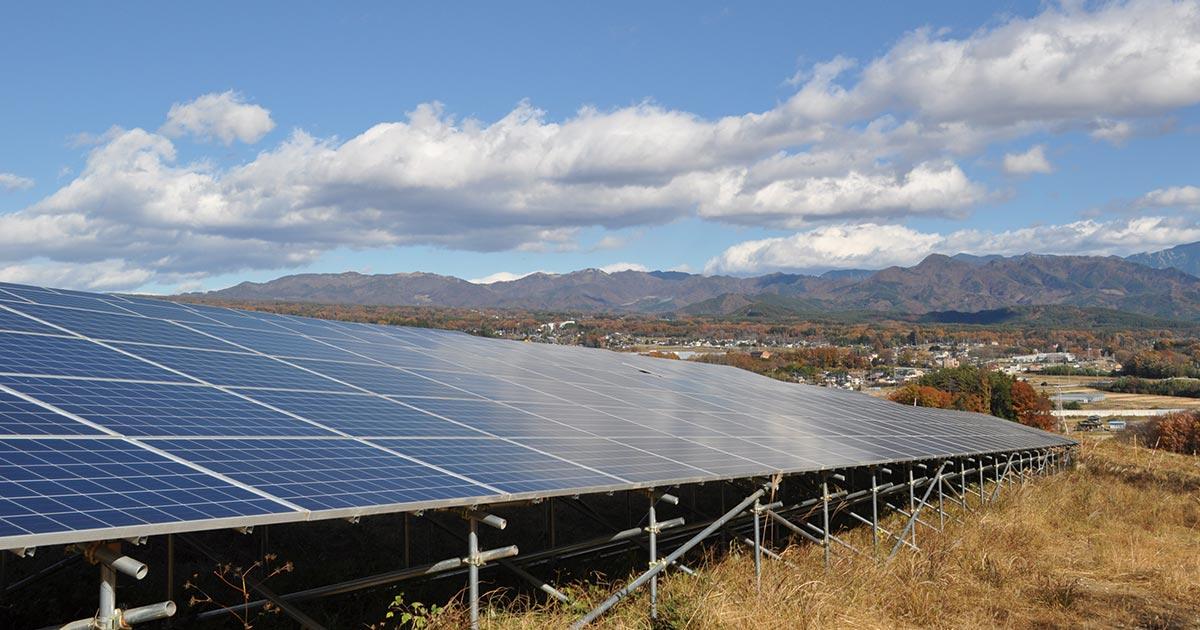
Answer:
[(872, 143), (875, 246)]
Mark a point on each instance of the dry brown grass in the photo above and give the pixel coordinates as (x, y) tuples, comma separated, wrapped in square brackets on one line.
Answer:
[(1113, 544)]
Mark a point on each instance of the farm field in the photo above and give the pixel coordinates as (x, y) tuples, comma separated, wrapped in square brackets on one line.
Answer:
[(1113, 400)]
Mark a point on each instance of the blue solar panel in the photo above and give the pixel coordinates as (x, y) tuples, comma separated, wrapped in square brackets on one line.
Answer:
[(10, 321), (491, 387), (121, 327), (56, 485), (398, 355), (384, 379), (635, 465), (607, 422), (713, 460), (69, 356), (228, 368), (280, 344), (236, 319), (21, 417), (494, 418), (159, 409), (70, 301), (313, 328), (165, 310), (326, 474), (5, 296), (523, 469), (361, 415)]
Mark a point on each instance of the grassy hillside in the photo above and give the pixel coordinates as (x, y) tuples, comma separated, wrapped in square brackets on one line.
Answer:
[(1113, 544)]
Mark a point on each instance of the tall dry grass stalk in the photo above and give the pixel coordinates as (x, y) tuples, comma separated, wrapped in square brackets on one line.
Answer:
[(1113, 544)]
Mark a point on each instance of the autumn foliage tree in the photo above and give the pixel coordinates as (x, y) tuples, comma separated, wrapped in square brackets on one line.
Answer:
[(923, 395), (1031, 408), (1176, 432), (981, 391)]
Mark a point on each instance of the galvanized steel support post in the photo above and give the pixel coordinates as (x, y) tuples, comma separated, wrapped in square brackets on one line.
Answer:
[(108, 598), (1000, 479), (912, 500), (941, 512), (875, 513), (170, 570), (825, 512), (473, 571), (653, 530), (474, 559), (674, 555), (757, 549), (917, 510)]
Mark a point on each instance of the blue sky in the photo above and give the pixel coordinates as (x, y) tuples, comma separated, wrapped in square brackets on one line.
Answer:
[(165, 147)]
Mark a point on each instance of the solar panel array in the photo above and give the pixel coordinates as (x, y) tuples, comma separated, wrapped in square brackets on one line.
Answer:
[(124, 416)]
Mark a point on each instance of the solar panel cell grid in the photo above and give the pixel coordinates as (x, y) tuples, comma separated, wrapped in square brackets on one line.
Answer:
[(279, 344), (634, 465), (494, 418), (61, 485), (325, 474), (523, 470), (21, 417), (69, 356), (121, 327), (15, 322), (384, 379), (361, 415), (157, 409), (70, 301), (235, 369), (167, 311)]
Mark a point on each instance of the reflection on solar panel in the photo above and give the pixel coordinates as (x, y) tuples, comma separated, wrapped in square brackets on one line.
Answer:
[(122, 416)]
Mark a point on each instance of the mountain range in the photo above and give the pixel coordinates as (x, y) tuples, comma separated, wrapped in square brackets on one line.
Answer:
[(1150, 284)]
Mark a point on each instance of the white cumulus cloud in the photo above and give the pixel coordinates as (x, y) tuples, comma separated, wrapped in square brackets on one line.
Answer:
[(1068, 63), (874, 246), (225, 116), (1032, 161), (9, 181), (1182, 197)]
